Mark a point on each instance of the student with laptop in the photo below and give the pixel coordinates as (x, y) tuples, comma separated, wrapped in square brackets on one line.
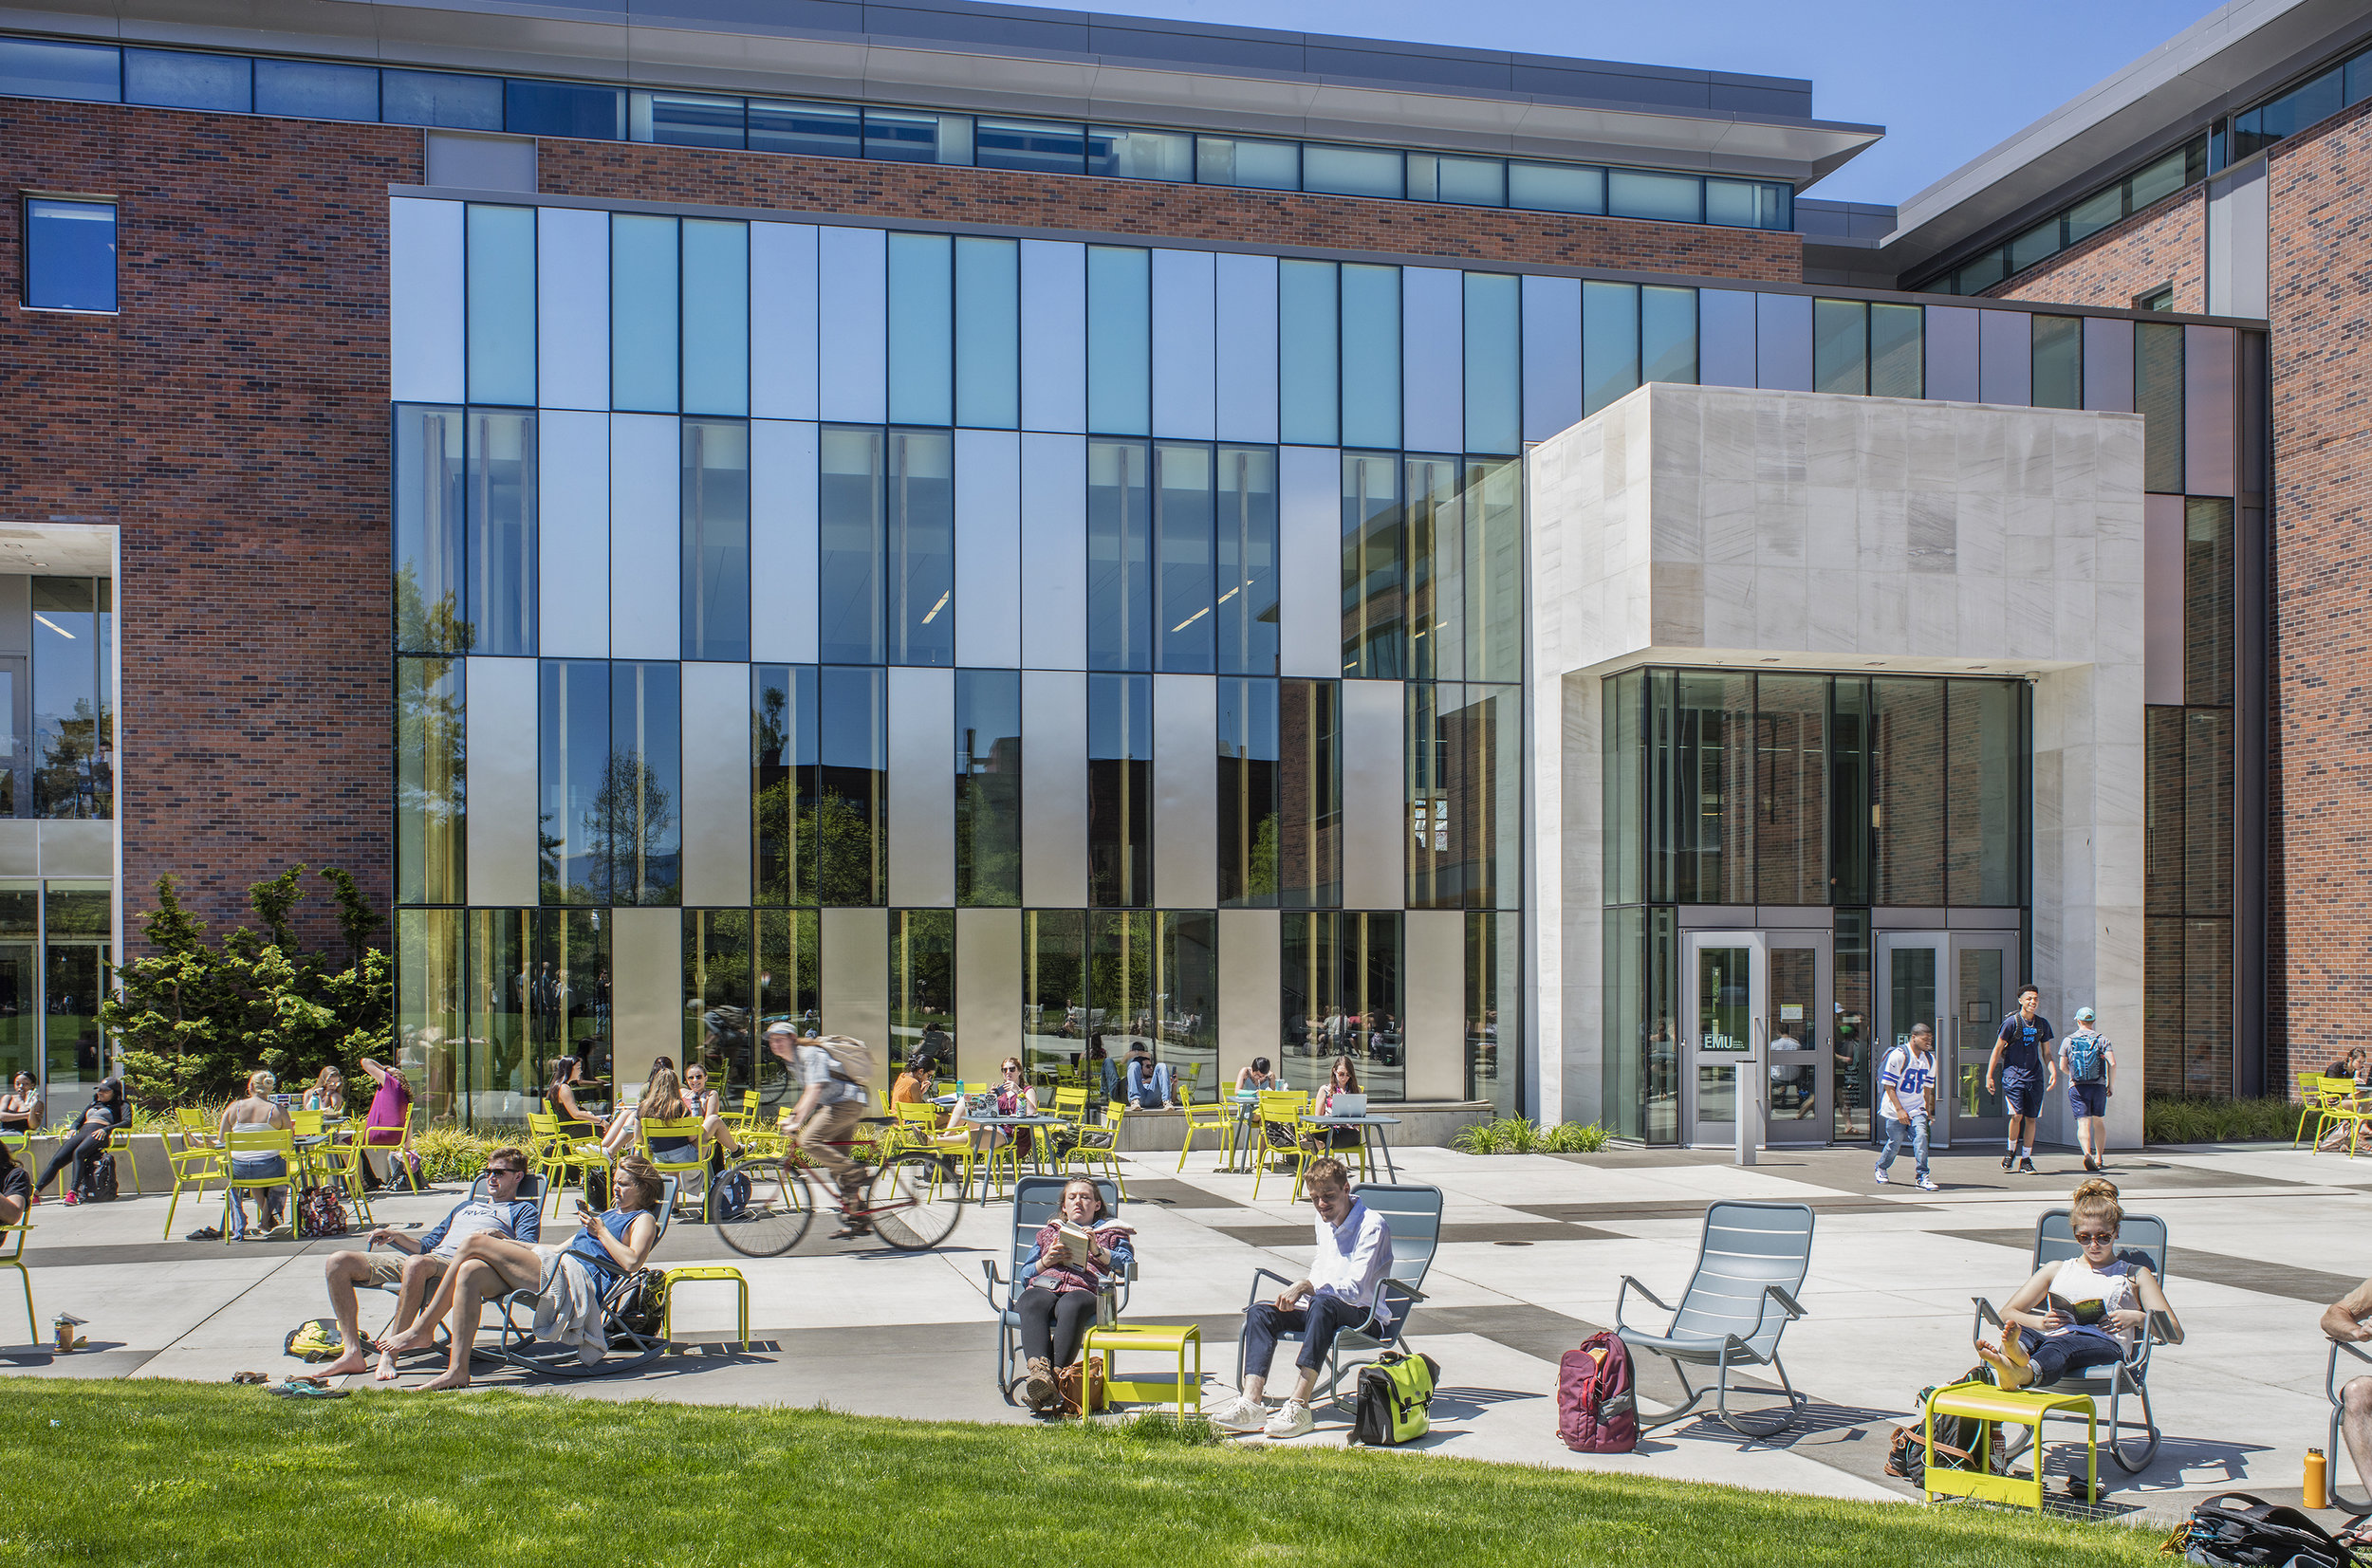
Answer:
[(1341, 1096)]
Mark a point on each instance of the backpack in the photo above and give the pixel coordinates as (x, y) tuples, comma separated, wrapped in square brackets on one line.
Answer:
[(316, 1341), (99, 1180), (638, 1304), (1957, 1439), (852, 1059), (1066, 1385), (2087, 1054), (404, 1172), (2257, 1532), (728, 1197), (1597, 1410), (1395, 1399), (321, 1213)]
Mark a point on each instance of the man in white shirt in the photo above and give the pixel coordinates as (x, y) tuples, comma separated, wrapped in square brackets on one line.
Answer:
[(1345, 1290)]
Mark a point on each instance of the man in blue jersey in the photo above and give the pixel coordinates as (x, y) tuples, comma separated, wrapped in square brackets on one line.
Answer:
[(2023, 1063), (1906, 1101)]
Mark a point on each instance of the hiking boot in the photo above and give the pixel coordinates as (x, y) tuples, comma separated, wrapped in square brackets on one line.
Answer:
[(2026, 1166), (1294, 1420), (1038, 1390)]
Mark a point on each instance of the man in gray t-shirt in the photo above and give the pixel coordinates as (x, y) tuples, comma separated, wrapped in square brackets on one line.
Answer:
[(826, 1116)]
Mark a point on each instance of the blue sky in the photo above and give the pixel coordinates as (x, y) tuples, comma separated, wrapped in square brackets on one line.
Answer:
[(1947, 82)]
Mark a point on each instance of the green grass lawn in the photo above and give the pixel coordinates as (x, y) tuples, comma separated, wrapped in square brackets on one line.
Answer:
[(132, 1474)]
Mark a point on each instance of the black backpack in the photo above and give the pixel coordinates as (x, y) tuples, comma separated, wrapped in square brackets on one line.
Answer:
[(99, 1180), (728, 1197), (2256, 1532), (638, 1302), (1957, 1438)]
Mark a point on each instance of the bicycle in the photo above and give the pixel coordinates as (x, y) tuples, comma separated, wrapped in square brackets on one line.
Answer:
[(912, 1200)]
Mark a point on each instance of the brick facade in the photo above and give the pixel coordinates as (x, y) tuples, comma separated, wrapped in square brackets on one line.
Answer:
[(232, 421), (1176, 214), (2165, 242)]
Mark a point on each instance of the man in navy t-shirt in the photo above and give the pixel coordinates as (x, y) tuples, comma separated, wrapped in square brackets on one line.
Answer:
[(2022, 1061)]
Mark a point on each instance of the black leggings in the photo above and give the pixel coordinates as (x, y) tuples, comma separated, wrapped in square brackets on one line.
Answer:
[(82, 1146), (1054, 1323)]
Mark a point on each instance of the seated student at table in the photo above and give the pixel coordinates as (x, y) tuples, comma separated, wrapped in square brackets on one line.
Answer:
[(328, 1093), (416, 1263), (709, 1105), (2052, 1326), (390, 1113), (1345, 1289), (88, 1138), (560, 1098), (1147, 1085), (1343, 1080), (1255, 1078), (917, 1083), (608, 1247), (258, 1113), (1054, 1294), (662, 1101), (16, 1187), (20, 1108)]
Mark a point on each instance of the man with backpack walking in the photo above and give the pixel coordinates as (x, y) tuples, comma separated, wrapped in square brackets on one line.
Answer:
[(2090, 1064), (834, 1069), (1906, 1101)]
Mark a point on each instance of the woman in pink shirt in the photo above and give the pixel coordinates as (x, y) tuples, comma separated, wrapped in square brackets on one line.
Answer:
[(391, 1109)]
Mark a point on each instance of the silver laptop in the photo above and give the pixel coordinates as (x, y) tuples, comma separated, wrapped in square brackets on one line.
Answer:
[(1347, 1105)]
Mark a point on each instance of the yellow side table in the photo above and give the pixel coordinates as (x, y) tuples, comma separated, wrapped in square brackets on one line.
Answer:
[(712, 1271), (1158, 1387), (2025, 1408)]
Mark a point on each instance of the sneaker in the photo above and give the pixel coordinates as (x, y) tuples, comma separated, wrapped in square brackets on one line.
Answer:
[(2026, 1165), (1293, 1421), (72, 1197), (1882, 1177), (1927, 1184), (2008, 1161), (1238, 1414)]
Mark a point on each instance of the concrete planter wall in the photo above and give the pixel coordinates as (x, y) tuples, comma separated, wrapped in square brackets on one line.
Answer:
[(1430, 1125), (146, 1151)]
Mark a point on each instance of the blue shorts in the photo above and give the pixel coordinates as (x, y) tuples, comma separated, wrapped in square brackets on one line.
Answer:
[(2021, 1092), (2087, 1099)]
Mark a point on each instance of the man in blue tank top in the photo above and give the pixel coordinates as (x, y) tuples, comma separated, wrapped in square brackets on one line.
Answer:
[(2022, 1061)]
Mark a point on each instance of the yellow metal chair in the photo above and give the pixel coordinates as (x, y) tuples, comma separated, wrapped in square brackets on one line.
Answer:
[(1219, 1117), (396, 1153), (1309, 1154), (268, 1140), (2341, 1109), (1282, 1109), (558, 1157), (2312, 1101), (196, 1163), (1072, 1105), (917, 1127), (14, 1257), (656, 1130), (1105, 1153)]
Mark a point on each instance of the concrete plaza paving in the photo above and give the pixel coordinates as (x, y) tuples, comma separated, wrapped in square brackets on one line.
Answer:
[(1533, 1253)]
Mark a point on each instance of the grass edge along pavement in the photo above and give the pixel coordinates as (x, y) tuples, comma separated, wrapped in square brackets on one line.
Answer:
[(160, 1473)]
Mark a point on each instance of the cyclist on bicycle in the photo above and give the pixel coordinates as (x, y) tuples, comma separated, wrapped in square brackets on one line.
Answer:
[(827, 1116)]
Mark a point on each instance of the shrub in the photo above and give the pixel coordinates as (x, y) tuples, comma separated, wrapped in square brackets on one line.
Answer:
[(1516, 1136), (453, 1153), (2198, 1120)]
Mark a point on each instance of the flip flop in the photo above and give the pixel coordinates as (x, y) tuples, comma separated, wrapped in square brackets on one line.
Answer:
[(248, 1377), (204, 1233), (295, 1390)]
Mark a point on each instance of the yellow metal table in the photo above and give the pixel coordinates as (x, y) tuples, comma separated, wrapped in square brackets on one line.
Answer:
[(2025, 1408), (1159, 1387), (710, 1271)]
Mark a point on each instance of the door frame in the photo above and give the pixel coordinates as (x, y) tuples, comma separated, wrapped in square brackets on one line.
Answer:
[(1696, 1133), (1815, 1130), (1951, 1028)]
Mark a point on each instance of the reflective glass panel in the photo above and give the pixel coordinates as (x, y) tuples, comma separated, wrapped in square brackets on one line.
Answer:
[(1141, 155), (2058, 362), (2207, 602), (1840, 346), (1351, 170), (1053, 991), (69, 254), (1897, 351), (1119, 790), (1310, 794), (1032, 146), (431, 530), (1375, 626), (642, 313), (988, 786), (574, 765), (436, 98), (816, 130), (1262, 165), (684, 119), (853, 539), (501, 314), (1245, 533), (2158, 394), (783, 784), (987, 332), (563, 109), (1907, 789), (716, 317), (1371, 356), (430, 769), (173, 80), (921, 563), (852, 805), (921, 329), (1556, 187), (1667, 334), (1248, 783), (639, 808), (1308, 410), (1494, 945), (922, 987), (35, 68), (1119, 544), (1609, 343), (1792, 790), (1492, 520), (1495, 356), (1437, 569), (1120, 339), (1184, 559), (502, 492), (1636, 193), (305, 90), (715, 607)]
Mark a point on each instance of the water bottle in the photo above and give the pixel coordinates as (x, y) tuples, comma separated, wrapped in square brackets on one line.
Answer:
[(2318, 1473)]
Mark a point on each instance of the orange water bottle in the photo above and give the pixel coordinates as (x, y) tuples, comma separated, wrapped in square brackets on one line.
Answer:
[(2318, 1468)]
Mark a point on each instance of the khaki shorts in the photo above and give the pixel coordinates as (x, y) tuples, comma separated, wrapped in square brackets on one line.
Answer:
[(386, 1266)]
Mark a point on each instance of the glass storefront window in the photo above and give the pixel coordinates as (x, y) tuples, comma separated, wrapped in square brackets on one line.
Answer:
[(1792, 847), (1494, 947), (922, 988), (1853, 1086), (20, 1017), (1310, 794), (1342, 997), (76, 951), (1699, 786), (1907, 789), (1053, 988), (496, 1077), (1985, 792), (432, 1026)]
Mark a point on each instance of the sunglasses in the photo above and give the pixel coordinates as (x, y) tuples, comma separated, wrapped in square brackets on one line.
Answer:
[(505, 1170), (2102, 1237)]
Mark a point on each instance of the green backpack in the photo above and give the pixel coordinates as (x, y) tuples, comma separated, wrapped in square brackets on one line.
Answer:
[(1394, 1391)]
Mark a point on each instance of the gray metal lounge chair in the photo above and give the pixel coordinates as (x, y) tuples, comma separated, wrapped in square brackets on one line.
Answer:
[(1414, 1214), (1750, 1264), (2335, 1386), (2140, 1239), (1036, 1199)]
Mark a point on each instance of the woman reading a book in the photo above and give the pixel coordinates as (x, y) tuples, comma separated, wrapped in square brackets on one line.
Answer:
[(2084, 1311), (1081, 1251)]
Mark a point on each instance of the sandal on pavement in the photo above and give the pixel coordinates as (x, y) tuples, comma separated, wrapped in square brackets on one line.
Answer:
[(248, 1377), (294, 1389), (204, 1233)]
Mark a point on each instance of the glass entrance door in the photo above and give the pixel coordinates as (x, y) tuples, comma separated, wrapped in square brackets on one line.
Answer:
[(1958, 983), (1723, 1019), (1797, 1033)]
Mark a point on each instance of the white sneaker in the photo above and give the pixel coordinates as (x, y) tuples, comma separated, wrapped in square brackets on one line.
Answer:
[(1927, 1184), (1293, 1421), (1882, 1177), (1238, 1414)]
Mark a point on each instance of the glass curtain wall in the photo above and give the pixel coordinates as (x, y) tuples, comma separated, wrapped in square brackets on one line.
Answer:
[(1342, 998)]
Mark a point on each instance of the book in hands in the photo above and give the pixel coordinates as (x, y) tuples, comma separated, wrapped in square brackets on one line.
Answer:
[(1077, 1242), (2086, 1313)]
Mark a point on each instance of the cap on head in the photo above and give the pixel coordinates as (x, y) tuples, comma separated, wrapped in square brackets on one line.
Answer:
[(2086, 1015)]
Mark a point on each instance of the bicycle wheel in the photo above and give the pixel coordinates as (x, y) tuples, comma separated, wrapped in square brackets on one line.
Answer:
[(915, 1201), (779, 1212)]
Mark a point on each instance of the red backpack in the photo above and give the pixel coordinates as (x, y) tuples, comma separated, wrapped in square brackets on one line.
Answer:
[(1597, 1411)]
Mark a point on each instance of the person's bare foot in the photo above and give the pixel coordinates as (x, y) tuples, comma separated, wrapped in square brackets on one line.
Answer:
[(386, 1373), (2009, 1371), (347, 1364), (413, 1338), (450, 1380)]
